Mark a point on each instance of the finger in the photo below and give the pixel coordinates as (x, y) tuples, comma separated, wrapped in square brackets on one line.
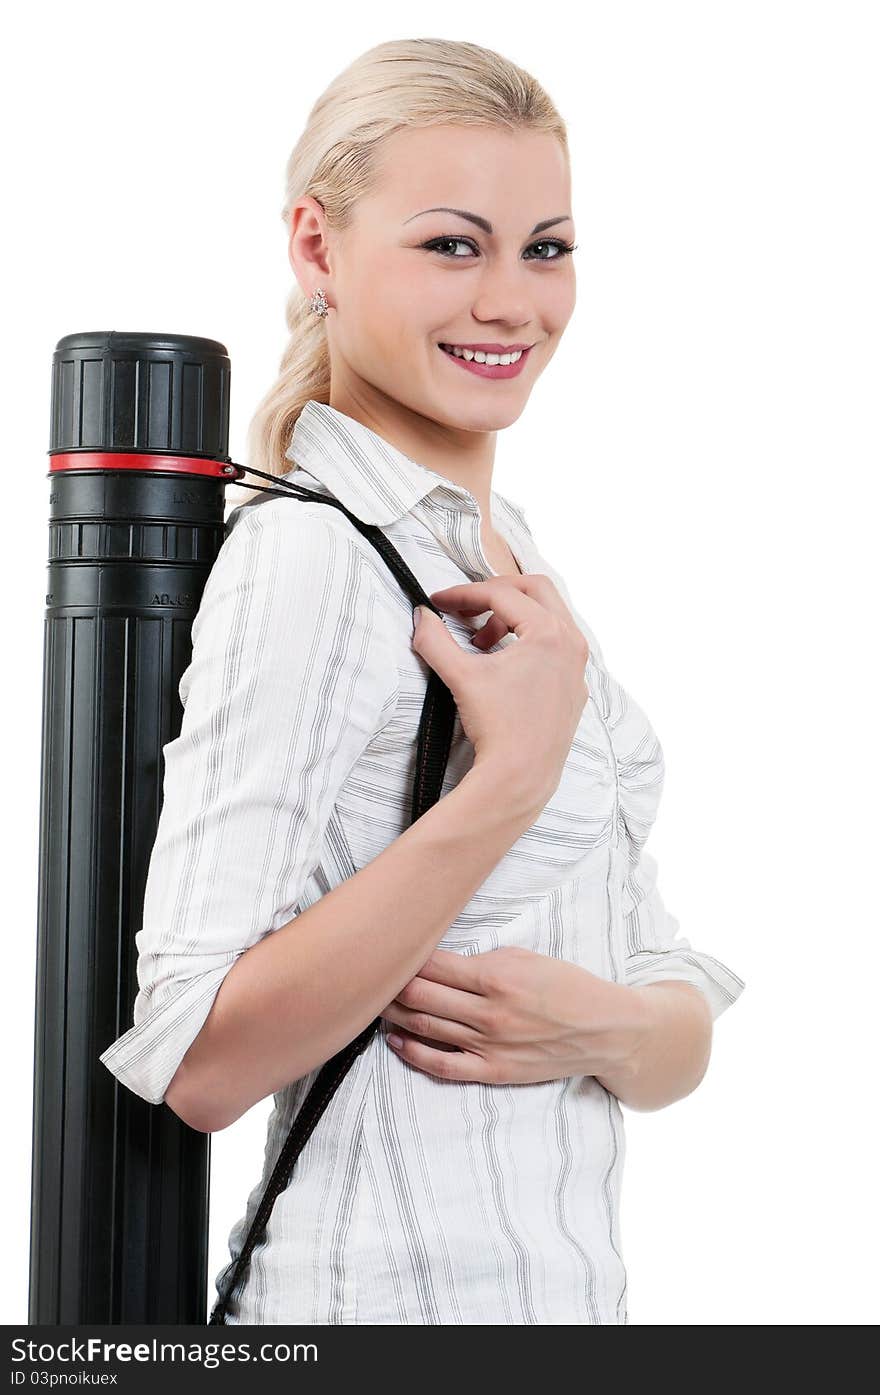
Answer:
[(500, 594), (439, 1031), (436, 1003), (434, 643), (446, 1065), (519, 610), (490, 633), (447, 966)]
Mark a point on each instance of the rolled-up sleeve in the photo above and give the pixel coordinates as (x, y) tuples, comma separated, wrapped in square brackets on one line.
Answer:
[(292, 674), (656, 951)]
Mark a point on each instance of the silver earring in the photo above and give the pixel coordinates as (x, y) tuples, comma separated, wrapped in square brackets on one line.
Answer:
[(318, 303)]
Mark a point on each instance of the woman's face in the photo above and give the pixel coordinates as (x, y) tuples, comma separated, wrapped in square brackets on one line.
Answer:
[(402, 281)]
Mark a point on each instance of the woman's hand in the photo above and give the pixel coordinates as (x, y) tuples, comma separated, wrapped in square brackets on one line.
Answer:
[(520, 706), (512, 1017)]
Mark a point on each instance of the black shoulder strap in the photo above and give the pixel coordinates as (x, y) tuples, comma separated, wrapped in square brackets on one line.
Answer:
[(432, 754)]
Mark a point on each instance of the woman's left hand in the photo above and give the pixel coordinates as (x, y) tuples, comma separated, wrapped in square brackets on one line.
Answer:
[(511, 1016)]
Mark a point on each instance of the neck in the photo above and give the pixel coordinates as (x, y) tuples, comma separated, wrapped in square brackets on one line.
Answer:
[(464, 457)]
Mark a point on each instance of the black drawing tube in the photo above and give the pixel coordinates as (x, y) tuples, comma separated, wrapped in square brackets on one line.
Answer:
[(120, 1187)]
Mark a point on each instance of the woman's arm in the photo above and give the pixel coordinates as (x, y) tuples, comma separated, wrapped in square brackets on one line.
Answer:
[(670, 1047), (293, 673), (294, 999)]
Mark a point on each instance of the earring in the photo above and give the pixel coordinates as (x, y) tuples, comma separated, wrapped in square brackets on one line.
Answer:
[(318, 303)]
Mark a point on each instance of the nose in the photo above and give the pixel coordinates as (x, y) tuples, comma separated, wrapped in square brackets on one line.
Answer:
[(503, 297)]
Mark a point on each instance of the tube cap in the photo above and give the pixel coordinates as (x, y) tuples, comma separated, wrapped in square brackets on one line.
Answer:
[(141, 392)]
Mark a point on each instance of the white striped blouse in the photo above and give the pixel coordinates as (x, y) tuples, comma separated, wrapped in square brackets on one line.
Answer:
[(416, 1200)]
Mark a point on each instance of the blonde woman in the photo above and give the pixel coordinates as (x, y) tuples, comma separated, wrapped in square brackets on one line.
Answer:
[(513, 939)]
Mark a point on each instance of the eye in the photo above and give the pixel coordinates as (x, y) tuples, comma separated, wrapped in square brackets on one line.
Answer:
[(563, 249), (438, 243)]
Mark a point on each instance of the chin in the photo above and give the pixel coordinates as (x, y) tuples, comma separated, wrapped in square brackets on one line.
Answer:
[(490, 418)]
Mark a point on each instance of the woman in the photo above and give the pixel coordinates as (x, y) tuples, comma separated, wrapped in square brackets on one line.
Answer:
[(513, 938)]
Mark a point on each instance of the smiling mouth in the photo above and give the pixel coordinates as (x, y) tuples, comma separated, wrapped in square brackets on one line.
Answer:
[(488, 371), (480, 355)]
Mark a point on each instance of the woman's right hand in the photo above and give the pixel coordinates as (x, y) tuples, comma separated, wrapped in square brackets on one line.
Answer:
[(519, 707)]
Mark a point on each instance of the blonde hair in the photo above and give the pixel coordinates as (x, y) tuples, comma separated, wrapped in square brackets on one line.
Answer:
[(402, 83)]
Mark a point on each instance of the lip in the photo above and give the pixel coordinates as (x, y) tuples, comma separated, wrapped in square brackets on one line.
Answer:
[(490, 370), (490, 348)]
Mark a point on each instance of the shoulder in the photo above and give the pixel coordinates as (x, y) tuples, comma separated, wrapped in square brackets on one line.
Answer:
[(298, 517), (290, 601), (300, 529), (296, 565)]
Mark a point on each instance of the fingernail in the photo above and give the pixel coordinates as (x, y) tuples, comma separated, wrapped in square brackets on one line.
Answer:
[(394, 1039), (417, 615)]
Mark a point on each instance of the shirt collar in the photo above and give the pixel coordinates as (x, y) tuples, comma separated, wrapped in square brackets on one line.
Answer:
[(379, 484), (372, 478)]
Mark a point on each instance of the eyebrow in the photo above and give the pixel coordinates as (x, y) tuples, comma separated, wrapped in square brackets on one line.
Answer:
[(486, 225)]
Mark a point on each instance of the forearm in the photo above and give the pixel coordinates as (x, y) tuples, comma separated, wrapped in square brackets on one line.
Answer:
[(294, 999), (670, 1049)]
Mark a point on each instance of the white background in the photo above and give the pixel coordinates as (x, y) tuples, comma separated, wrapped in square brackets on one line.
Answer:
[(710, 498)]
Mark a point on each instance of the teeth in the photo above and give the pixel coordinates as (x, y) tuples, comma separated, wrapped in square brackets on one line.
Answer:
[(480, 357)]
